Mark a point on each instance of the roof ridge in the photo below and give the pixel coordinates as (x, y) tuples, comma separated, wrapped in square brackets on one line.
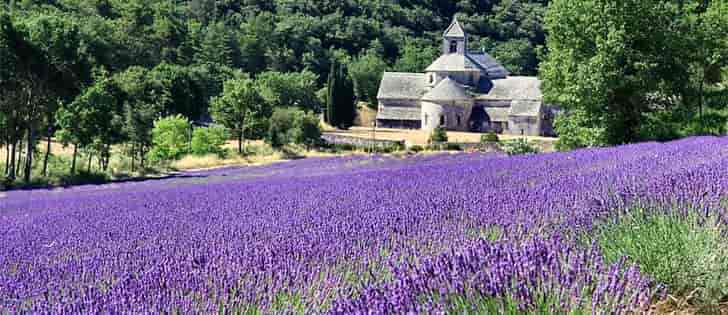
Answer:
[(407, 73)]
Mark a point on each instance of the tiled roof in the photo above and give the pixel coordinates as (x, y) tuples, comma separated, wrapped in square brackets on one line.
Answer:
[(515, 88), (455, 62), (494, 69), (397, 85), (447, 90)]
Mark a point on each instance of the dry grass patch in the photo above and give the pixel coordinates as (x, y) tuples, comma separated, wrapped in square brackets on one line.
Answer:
[(194, 162)]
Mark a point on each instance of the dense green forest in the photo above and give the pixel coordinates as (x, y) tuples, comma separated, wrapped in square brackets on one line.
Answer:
[(97, 73), (93, 73)]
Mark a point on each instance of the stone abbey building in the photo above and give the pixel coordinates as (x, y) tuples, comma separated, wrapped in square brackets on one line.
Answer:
[(463, 91)]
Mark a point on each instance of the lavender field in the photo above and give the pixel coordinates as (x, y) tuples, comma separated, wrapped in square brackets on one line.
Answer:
[(458, 233)]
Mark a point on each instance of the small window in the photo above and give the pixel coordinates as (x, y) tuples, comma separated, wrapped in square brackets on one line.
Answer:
[(442, 120), (425, 122), (453, 47), (458, 120), (432, 78)]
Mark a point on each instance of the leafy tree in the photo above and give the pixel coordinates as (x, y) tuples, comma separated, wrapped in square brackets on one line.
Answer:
[(89, 119), (366, 73), (218, 46), (416, 56), (187, 95), (209, 140), (611, 64), (517, 55), (237, 105), (9, 63), (171, 138), (253, 42), (289, 89), (144, 101)]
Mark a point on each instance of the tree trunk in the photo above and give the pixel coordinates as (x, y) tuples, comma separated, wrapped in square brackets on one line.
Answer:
[(73, 160), (19, 161), (7, 158), (29, 154), (700, 97), (90, 159), (11, 167), (107, 160), (133, 158), (47, 154), (240, 143)]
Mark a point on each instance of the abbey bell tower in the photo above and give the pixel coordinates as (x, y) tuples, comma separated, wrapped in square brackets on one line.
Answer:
[(455, 40)]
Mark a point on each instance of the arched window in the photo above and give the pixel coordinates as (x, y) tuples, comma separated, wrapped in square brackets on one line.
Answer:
[(453, 47)]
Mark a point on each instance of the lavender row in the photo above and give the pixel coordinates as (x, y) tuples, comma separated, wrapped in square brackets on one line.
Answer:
[(316, 235)]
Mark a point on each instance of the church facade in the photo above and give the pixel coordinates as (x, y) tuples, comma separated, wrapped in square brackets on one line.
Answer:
[(463, 91)]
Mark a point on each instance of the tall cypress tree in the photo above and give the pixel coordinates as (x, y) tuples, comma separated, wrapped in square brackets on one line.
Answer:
[(346, 98), (331, 94), (340, 110)]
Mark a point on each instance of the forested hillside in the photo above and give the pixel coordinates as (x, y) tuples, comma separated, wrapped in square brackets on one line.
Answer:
[(98, 73), (94, 73)]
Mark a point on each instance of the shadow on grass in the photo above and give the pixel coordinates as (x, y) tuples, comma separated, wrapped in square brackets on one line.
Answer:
[(289, 154), (86, 178)]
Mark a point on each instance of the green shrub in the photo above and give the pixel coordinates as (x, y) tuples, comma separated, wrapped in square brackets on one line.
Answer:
[(453, 147), (5, 183), (577, 129), (384, 148), (518, 147), (170, 138), (417, 148), (438, 134), (281, 124), (83, 178), (307, 130), (343, 147), (489, 137), (291, 125), (210, 140), (681, 251), (435, 147)]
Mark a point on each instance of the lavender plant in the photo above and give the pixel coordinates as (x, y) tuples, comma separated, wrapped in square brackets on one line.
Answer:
[(367, 235)]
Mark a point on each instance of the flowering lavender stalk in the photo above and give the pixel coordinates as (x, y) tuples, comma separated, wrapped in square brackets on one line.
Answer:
[(370, 234)]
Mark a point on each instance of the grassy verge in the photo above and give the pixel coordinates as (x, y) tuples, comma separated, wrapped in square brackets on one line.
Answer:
[(120, 168), (685, 253)]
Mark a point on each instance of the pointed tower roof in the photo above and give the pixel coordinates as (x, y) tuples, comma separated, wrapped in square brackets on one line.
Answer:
[(447, 90), (455, 30)]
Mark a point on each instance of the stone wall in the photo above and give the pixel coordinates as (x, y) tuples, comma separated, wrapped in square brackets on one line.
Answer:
[(359, 142), (454, 115), (524, 126)]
